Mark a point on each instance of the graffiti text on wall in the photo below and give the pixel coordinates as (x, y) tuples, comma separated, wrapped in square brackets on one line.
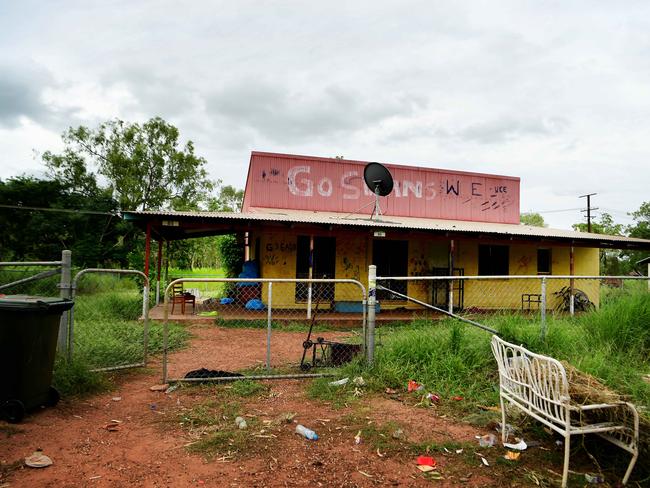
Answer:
[(351, 184)]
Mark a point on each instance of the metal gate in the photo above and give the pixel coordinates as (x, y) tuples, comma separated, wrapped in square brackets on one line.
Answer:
[(263, 328), (109, 323)]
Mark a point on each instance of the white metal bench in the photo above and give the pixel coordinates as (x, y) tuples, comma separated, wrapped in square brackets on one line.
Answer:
[(538, 386)]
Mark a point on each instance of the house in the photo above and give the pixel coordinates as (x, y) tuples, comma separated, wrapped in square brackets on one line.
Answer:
[(309, 216)]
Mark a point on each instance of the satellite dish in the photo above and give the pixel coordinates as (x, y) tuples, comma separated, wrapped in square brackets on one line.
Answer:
[(378, 179)]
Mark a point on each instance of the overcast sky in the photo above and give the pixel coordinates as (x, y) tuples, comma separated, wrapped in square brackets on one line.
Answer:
[(555, 92)]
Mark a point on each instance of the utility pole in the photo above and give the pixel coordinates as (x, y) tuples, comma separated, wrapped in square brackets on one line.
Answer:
[(589, 209)]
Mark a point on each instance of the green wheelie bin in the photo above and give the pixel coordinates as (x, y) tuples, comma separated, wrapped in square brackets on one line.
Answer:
[(29, 329)]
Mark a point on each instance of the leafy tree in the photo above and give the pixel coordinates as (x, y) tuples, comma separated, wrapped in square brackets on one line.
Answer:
[(605, 225), (143, 164), (212, 252), (640, 229), (612, 262), (83, 221), (532, 218), (230, 199), (232, 255)]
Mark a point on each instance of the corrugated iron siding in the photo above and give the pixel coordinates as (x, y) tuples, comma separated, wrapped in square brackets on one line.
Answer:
[(320, 184)]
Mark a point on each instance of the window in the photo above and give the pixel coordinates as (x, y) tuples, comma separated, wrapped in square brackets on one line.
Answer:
[(493, 260), (543, 261), (391, 259)]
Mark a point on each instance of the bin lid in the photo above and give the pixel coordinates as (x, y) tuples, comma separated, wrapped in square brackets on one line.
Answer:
[(30, 303)]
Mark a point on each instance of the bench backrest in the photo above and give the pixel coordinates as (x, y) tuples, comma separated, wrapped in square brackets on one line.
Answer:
[(535, 382)]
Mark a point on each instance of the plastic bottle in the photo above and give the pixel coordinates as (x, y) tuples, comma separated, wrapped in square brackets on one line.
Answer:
[(306, 433)]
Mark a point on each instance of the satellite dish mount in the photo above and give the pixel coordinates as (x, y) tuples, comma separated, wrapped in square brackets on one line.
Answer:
[(380, 181)]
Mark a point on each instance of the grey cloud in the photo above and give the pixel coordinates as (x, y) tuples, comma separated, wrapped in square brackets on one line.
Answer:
[(490, 132), (508, 129), (21, 93), (156, 92), (273, 111)]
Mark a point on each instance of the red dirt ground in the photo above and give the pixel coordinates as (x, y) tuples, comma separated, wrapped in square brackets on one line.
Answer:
[(149, 449)]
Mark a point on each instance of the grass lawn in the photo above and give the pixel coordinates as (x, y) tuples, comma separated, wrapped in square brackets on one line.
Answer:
[(205, 289)]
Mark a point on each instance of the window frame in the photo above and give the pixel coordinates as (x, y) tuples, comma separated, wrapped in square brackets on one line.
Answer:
[(549, 252), (490, 267)]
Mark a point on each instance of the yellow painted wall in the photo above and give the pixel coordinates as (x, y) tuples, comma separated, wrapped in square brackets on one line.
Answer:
[(587, 263), (523, 261), (354, 254), (278, 260)]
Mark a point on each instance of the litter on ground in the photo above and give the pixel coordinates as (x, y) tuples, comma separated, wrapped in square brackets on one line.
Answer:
[(425, 461), (519, 446), (339, 382), (512, 456), (38, 460), (487, 440)]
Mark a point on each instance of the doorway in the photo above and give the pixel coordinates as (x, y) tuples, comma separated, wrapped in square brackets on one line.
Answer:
[(323, 261), (391, 259)]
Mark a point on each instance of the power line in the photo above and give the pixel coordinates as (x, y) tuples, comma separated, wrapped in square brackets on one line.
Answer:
[(60, 210), (620, 212), (556, 211)]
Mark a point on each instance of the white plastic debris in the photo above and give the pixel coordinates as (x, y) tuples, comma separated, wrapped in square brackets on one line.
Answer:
[(339, 382), (38, 460), (519, 446)]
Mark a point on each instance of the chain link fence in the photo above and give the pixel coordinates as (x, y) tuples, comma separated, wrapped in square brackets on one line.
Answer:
[(37, 278), (264, 328), (108, 328), (480, 298)]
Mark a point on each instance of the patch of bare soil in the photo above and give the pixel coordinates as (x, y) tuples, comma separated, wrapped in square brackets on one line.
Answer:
[(229, 349), (132, 436)]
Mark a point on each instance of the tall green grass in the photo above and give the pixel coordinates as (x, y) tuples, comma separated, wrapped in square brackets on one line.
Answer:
[(452, 358), (108, 332), (449, 357)]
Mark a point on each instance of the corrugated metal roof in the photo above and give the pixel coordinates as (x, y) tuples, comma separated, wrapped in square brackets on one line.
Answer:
[(385, 221)]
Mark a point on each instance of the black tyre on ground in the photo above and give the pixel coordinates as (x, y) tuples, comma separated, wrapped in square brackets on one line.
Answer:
[(13, 411)]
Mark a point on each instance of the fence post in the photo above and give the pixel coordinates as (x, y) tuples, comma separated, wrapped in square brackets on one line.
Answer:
[(450, 306), (63, 344), (145, 315), (308, 301), (372, 301), (543, 308), (268, 327)]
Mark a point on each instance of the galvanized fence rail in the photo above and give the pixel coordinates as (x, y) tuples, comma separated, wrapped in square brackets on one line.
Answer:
[(533, 296), (109, 324), (264, 328), (26, 278)]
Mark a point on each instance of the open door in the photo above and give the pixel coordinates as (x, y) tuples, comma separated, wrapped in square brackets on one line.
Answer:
[(391, 259), (323, 261)]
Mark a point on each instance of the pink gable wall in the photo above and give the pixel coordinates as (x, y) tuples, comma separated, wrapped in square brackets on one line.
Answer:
[(331, 185)]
